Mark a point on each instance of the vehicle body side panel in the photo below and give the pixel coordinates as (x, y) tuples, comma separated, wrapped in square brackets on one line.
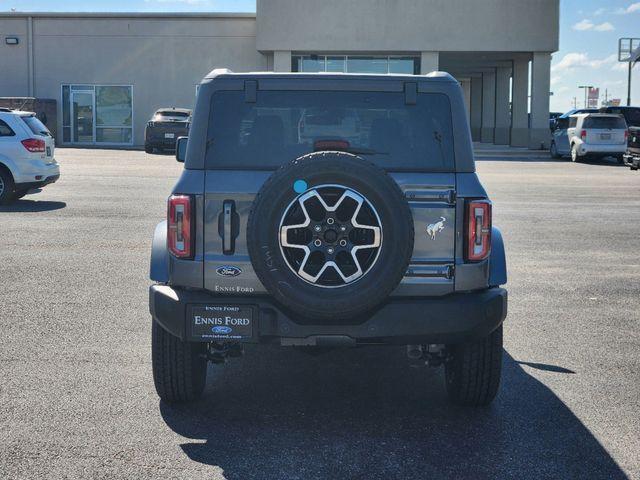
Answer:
[(497, 260), (159, 267)]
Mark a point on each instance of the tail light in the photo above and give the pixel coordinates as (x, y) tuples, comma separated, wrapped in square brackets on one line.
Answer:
[(478, 230), (626, 135), (34, 145), (583, 135), (180, 235)]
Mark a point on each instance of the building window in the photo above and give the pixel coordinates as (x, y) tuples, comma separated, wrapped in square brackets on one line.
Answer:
[(101, 114), (407, 65)]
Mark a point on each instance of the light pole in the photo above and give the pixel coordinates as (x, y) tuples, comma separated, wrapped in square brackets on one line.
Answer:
[(633, 59), (586, 89)]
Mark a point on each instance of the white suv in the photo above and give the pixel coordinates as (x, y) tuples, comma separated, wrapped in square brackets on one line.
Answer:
[(597, 135), (26, 155)]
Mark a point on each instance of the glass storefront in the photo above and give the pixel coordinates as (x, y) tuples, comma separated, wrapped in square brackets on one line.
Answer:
[(356, 64), (100, 114)]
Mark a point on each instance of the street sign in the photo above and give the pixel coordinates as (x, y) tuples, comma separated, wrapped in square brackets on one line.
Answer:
[(593, 97), (626, 46)]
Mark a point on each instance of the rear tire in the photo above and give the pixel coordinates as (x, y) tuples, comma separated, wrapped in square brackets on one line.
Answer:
[(179, 368), (554, 151), (620, 159), (148, 149), (6, 188), (473, 374)]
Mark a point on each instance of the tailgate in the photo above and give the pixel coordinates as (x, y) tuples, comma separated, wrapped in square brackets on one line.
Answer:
[(230, 194)]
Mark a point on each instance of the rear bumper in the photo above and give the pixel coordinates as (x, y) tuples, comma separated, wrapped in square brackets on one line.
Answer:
[(632, 159), (39, 184), (454, 318), (604, 149)]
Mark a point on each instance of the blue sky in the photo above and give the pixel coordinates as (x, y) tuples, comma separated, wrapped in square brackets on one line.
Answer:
[(589, 32)]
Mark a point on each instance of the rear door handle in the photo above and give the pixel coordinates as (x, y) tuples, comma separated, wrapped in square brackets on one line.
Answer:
[(227, 226)]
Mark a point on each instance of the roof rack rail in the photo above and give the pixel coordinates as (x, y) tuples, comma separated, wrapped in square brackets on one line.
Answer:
[(5, 109)]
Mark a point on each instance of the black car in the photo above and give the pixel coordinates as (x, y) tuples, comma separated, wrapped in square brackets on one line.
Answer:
[(630, 114), (632, 157), (166, 125)]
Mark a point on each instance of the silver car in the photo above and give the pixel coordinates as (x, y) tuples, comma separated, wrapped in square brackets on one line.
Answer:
[(590, 135)]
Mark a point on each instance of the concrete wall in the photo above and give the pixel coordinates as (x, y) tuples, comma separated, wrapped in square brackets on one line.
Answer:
[(408, 25), (163, 58), (14, 59)]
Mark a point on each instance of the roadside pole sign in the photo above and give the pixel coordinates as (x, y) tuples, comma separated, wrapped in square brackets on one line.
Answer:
[(629, 52), (593, 97), (626, 46)]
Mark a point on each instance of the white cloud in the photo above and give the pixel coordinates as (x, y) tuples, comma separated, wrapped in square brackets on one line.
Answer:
[(634, 7), (604, 27), (599, 12), (584, 25), (620, 67), (575, 60)]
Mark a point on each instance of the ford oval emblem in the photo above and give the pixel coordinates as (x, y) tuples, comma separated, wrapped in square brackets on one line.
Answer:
[(221, 330), (228, 271)]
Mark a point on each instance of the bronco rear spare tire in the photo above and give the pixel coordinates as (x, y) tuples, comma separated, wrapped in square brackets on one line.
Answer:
[(330, 236)]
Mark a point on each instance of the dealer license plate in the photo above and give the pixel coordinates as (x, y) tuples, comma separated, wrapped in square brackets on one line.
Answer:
[(221, 322), (169, 135)]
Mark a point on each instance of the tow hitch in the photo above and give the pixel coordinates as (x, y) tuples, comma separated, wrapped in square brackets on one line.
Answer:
[(219, 352), (432, 355)]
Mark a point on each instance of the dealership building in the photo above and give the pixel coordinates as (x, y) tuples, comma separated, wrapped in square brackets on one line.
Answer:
[(108, 72)]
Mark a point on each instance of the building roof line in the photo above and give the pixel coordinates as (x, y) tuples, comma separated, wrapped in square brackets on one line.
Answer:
[(194, 15)]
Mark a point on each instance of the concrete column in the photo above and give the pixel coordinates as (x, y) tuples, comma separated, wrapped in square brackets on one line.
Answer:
[(487, 132), (282, 61), (503, 113), (429, 62), (476, 107), (465, 84), (540, 83), (520, 104)]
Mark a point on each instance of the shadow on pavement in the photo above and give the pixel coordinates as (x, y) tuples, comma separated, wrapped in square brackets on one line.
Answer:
[(32, 206), (366, 414), (546, 367)]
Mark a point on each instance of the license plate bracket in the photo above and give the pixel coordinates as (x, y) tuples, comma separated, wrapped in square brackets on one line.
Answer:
[(219, 322)]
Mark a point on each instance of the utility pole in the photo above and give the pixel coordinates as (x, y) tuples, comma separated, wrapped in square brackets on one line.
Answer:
[(586, 90), (629, 84), (575, 103)]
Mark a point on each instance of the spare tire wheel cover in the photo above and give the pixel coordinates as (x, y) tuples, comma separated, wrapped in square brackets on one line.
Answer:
[(330, 235)]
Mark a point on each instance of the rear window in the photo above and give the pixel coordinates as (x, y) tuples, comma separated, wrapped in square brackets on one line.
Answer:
[(604, 122), (170, 115), (632, 115), (283, 125), (36, 126)]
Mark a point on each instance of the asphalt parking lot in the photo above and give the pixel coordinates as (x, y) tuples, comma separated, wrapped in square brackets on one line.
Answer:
[(77, 397)]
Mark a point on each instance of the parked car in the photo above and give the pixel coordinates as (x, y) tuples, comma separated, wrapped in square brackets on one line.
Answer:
[(382, 239), (26, 155), (630, 114), (165, 126), (595, 135), (566, 115), (552, 119), (632, 157)]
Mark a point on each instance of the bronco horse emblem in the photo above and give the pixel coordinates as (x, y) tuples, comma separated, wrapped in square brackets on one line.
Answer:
[(434, 228)]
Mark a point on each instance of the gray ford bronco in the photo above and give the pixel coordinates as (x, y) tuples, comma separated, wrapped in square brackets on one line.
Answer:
[(328, 210)]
